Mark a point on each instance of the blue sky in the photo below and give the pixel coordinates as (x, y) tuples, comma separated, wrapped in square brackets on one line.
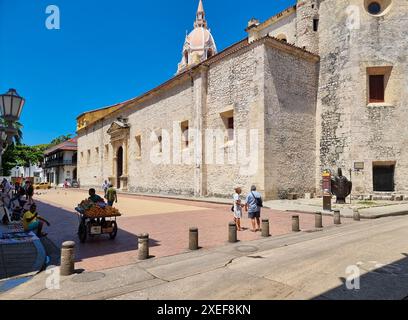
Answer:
[(105, 52)]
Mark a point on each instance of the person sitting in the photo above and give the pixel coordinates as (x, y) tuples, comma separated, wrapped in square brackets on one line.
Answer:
[(33, 222), (94, 197)]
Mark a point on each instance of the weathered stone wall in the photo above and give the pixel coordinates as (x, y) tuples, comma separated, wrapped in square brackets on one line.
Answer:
[(236, 83), (97, 168), (290, 133), (350, 129), (286, 26), (151, 172), (161, 112)]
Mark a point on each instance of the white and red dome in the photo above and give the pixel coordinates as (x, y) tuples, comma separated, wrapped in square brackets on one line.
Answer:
[(199, 44)]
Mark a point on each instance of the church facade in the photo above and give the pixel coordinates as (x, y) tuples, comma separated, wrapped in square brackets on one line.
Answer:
[(321, 85)]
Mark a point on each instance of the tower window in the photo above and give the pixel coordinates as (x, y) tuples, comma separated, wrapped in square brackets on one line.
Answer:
[(315, 24), (210, 53), (376, 88), (186, 57)]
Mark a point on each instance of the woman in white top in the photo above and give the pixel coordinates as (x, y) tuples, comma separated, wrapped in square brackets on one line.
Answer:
[(238, 208)]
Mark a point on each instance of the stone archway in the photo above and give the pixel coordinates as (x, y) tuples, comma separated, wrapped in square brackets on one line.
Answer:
[(119, 166)]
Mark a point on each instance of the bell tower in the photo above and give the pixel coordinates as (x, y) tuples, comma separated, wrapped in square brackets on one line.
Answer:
[(307, 25), (199, 45)]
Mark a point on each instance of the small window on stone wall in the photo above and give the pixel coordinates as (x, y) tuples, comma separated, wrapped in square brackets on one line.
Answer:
[(89, 156), (106, 151), (184, 133), (138, 147), (160, 141), (378, 88), (315, 25)]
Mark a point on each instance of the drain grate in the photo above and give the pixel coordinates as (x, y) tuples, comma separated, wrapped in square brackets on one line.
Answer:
[(88, 277), (247, 249)]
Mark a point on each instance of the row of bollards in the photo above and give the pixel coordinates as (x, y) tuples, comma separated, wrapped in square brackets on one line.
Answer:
[(68, 248), (319, 219)]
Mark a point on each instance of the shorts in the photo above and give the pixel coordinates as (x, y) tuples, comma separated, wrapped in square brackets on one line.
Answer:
[(110, 203), (33, 226), (254, 215), (238, 214)]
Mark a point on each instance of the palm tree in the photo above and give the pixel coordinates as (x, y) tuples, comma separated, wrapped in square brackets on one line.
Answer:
[(16, 125)]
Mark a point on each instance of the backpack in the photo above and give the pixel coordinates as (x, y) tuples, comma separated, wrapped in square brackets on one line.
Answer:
[(258, 201)]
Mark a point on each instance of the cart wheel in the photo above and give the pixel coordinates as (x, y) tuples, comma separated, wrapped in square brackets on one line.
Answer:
[(82, 232), (113, 234)]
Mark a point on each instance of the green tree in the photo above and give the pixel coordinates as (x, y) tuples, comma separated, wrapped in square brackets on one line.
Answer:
[(60, 139), (22, 155)]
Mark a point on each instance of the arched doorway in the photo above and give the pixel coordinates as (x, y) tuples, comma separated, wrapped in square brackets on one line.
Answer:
[(119, 166)]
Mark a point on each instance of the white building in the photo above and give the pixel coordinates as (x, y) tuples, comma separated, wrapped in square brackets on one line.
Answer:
[(34, 171), (60, 163)]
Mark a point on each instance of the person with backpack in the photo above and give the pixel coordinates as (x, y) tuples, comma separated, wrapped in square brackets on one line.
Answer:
[(253, 206)]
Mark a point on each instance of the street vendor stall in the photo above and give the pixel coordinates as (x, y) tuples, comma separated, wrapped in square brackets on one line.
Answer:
[(96, 219)]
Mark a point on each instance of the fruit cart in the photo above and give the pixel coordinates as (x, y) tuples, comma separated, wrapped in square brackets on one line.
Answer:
[(96, 220)]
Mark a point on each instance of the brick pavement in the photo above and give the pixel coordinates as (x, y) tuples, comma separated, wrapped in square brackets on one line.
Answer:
[(168, 230)]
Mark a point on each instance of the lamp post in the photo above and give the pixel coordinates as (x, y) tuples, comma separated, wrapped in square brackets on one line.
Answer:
[(11, 106)]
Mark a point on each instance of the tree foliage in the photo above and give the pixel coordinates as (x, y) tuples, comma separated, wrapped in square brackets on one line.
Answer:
[(60, 139), (23, 155)]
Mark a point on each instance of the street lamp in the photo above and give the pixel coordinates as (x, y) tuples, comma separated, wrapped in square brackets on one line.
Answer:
[(11, 105)]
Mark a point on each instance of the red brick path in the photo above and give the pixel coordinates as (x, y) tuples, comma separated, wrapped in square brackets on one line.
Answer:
[(168, 232)]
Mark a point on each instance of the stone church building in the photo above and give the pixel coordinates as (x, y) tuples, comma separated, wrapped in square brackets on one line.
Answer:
[(321, 85)]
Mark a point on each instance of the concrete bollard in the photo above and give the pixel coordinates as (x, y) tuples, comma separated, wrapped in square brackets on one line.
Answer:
[(295, 224), (356, 215), (318, 220), (143, 240), (193, 239), (265, 228), (337, 217), (232, 232), (67, 258)]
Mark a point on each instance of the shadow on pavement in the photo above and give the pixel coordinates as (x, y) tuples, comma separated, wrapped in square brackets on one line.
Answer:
[(64, 227), (378, 282)]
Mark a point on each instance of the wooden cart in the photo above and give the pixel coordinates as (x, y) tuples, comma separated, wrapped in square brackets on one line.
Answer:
[(96, 226)]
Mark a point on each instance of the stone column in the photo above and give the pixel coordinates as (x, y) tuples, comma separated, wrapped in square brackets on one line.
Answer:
[(199, 124)]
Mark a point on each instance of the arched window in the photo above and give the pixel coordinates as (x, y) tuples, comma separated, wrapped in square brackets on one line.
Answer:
[(186, 57), (210, 53), (282, 37)]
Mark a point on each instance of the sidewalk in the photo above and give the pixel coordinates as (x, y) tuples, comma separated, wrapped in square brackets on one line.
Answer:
[(384, 208), (307, 265), (381, 210)]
